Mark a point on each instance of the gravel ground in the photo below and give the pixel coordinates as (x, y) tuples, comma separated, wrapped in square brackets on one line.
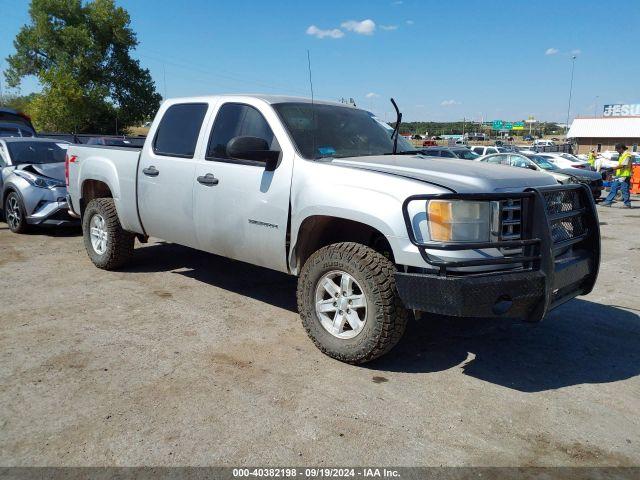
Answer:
[(186, 358)]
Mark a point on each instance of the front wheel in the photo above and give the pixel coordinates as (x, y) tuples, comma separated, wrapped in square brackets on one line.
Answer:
[(15, 213), (349, 304), (108, 245)]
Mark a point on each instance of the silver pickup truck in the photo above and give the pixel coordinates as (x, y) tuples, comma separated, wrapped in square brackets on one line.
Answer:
[(327, 192)]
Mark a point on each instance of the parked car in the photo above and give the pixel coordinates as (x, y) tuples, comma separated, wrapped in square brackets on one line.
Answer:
[(15, 124), (528, 138), (32, 182), (450, 152), (65, 137), (318, 190), (429, 143), (527, 161), (543, 143), (484, 150), (476, 137), (109, 141), (566, 160), (564, 176)]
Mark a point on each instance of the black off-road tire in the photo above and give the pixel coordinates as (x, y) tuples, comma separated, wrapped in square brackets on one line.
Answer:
[(119, 249), (386, 315), (22, 226)]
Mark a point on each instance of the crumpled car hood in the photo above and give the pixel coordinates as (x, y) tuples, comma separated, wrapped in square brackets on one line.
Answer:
[(461, 176), (51, 170)]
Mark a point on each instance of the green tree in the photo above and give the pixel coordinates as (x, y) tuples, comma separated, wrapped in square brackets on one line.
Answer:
[(80, 53), (17, 102)]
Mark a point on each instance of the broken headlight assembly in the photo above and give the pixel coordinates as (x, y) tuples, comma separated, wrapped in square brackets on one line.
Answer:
[(39, 181)]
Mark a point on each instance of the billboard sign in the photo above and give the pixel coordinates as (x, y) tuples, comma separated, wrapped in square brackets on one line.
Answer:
[(622, 110)]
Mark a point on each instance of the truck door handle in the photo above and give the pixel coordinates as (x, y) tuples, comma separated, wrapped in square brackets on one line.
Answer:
[(151, 171), (208, 179)]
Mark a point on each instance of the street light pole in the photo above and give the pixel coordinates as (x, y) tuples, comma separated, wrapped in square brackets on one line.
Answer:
[(573, 64)]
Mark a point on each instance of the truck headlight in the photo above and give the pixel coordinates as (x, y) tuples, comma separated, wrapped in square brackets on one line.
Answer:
[(459, 221)]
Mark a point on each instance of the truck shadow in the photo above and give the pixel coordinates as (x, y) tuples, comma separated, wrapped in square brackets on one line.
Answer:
[(579, 342), (275, 288)]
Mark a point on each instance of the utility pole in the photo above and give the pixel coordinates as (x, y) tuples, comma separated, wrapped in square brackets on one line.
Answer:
[(573, 64)]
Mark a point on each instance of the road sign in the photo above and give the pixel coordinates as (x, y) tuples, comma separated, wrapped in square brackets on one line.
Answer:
[(502, 125)]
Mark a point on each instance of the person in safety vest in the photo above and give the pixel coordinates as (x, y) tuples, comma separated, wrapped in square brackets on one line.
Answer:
[(622, 180), (592, 158)]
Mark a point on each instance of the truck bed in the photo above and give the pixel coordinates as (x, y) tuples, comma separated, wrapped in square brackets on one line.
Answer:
[(116, 167)]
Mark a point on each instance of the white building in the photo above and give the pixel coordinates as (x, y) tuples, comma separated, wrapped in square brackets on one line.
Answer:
[(603, 133)]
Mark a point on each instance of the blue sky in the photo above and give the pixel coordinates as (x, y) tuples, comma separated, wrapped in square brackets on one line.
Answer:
[(440, 60)]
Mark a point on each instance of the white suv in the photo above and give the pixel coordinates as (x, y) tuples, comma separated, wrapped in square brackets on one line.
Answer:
[(484, 150)]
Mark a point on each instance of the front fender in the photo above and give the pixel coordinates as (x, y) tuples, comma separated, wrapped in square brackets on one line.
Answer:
[(371, 198)]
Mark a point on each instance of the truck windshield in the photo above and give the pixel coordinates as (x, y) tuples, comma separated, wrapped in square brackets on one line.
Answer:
[(36, 152), (321, 131)]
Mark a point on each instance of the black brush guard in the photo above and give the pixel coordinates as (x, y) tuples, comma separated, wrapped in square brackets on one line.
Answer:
[(545, 274)]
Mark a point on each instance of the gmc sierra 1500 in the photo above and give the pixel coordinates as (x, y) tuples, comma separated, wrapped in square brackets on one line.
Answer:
[(315, 189)]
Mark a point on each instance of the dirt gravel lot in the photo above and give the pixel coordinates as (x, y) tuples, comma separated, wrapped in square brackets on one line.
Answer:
[(190, 359)]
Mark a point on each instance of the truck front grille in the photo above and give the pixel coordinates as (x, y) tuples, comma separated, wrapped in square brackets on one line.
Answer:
[(510, 224), (565, 210)]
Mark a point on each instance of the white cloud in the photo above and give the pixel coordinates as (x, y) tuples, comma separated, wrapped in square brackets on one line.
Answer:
[(448, 103), (551, 51), (410, 22), (330, 33), (365, 27), (389, 27), (577, 51), (372, 95)]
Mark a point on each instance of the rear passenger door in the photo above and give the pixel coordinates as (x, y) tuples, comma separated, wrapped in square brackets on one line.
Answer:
[(243, 214), (166, 174)]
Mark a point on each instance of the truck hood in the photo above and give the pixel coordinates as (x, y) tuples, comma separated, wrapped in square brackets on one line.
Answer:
[(461, 176), (51, 170)]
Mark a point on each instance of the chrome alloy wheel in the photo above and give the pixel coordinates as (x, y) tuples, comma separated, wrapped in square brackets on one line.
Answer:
[(341, 305), (98, 234), (14, 216)]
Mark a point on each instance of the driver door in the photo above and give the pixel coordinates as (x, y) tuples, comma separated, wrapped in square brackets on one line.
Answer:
[(241, 210)]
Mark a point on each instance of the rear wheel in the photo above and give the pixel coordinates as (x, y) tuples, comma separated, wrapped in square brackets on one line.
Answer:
[(349, 304), (108, 245), (15, 213)]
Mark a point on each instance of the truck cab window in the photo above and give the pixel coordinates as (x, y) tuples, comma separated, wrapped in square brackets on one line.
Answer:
[(178, 131), (234, 120)]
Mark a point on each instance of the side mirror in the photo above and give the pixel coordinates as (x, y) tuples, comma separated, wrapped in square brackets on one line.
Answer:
[(253, 148)]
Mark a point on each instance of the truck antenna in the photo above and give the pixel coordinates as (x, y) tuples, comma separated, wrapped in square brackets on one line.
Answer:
[(394, 135), (313, 109)]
